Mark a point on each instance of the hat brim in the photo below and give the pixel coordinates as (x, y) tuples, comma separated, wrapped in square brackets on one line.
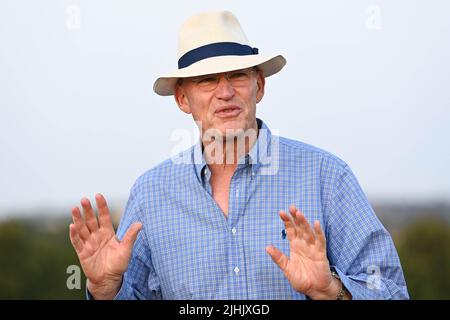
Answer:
[(269, 65)]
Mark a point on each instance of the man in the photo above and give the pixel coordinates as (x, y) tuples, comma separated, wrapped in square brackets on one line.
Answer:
[(206, 223)]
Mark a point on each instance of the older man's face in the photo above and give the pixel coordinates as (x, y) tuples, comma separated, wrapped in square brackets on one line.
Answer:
[(225, 102)]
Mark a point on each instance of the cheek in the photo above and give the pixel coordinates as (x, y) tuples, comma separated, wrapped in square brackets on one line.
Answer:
[(250, 100), (200, 109), (251, 94)]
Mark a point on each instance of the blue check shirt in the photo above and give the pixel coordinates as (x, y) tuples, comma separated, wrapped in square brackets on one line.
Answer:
[(188, 249)]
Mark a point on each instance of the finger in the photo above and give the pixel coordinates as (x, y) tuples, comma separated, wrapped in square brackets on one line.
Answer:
[(288, 225), (320, 236), (80, 226), (293, 209), (286, 217), (104, 217), (304, 226), (278, 257), (77, 243), (89, 215), (131, 235)]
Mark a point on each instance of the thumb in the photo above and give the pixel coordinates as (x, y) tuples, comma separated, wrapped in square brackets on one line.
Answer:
[(131, 235), (278, 257)]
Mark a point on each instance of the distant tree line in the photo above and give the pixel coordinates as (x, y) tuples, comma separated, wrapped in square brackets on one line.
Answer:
[(34, 260)]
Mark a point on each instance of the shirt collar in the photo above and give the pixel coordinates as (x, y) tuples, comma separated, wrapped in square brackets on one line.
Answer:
[(256, 157)]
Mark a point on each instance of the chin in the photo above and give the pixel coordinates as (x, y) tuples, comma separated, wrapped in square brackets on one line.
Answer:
[(232, 127)]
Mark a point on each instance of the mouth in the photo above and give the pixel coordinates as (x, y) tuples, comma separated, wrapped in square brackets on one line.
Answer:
[(228, 111)]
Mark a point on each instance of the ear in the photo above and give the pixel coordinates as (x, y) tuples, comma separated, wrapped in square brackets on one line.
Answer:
[(261, 83), (181, 99)]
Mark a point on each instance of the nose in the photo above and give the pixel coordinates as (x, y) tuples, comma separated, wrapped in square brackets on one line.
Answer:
[(224, 90)]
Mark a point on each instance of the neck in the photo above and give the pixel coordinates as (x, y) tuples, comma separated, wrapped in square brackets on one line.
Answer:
[(222, 154)]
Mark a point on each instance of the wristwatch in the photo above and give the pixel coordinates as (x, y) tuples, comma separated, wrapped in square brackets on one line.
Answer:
[(343, 290)]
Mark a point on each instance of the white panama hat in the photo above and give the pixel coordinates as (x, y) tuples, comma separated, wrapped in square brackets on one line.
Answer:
[(214, 42)]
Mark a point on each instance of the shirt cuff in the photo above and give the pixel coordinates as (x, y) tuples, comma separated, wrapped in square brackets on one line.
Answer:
[(360, 289)]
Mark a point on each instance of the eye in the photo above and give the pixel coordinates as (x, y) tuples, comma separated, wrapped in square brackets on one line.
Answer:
[(238, 76), (207, 80)]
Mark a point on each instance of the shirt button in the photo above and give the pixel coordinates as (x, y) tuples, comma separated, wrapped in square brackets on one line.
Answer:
[(233, 230), (236, 270)]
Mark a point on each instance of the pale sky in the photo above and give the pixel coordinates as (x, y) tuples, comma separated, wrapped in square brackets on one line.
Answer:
[(368, 81)]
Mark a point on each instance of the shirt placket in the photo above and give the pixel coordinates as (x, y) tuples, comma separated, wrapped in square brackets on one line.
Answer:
[(236, 258)]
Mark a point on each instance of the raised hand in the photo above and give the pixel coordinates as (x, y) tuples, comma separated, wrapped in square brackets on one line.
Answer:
[(103, 258), (307, 268)]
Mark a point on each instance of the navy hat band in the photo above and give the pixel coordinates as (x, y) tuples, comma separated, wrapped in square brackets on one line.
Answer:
[(215, 50)]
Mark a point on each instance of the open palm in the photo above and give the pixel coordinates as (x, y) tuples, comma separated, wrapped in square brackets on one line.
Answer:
[(307, 269), (102, 256)]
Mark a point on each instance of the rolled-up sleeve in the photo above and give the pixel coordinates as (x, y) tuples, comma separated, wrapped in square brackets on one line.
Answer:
[(359, 247)]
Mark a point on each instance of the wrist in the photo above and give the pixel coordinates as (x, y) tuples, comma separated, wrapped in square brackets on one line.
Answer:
[(105, 290), (334, 291), (330, 293)]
